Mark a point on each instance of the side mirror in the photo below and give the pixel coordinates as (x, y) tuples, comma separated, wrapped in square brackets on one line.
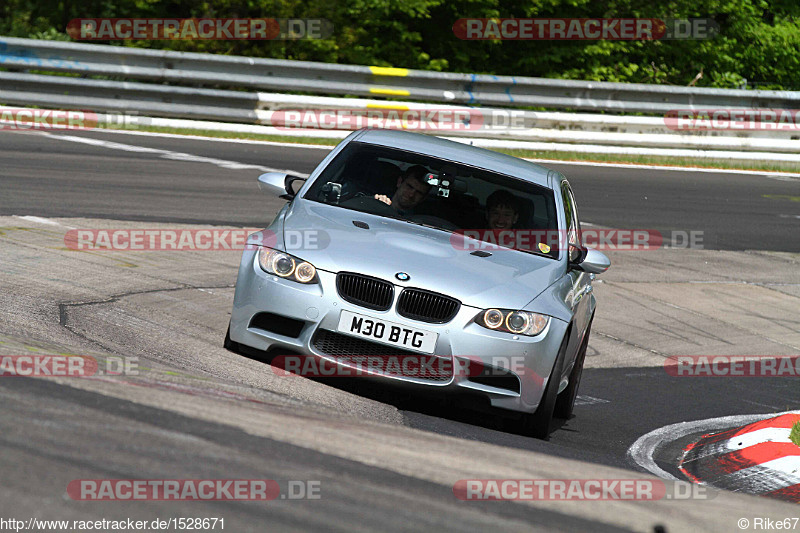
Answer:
[(284, 186), (591, 261)]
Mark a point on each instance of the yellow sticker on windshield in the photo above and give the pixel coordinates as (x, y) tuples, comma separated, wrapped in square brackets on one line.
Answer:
[(543, 248)]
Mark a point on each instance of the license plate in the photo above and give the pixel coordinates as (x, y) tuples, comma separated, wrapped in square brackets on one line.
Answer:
[(387, 332)]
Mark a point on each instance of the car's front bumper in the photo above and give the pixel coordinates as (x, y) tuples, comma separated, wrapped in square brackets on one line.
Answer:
[(317, 307)]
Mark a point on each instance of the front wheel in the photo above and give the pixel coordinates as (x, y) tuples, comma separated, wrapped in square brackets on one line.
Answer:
[(565, 403), (537, 424)]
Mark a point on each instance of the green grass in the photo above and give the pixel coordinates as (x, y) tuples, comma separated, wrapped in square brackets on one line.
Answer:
[(558, 156), (774, 166), (794, 435), (235, 135)]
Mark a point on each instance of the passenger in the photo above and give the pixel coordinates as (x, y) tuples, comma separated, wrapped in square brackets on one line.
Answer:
[(412, 189), (502, 210)]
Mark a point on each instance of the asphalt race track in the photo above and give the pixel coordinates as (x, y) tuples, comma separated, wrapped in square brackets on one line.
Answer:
[(734, 211), (384, 458)]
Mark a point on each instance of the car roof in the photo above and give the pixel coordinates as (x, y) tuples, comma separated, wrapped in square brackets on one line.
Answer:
[(457, 152)]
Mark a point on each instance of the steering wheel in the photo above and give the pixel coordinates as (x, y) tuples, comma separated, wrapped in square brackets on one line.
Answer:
[(351, 196), (369, 204)]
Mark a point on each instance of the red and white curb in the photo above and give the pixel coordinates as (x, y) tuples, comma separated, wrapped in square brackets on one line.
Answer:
[(642, 452), (757, 458)]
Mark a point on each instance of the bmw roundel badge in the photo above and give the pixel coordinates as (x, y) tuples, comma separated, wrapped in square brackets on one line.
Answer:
[(402, 276)]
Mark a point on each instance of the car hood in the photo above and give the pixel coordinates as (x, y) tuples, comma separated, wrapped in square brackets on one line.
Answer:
[(435, 260)]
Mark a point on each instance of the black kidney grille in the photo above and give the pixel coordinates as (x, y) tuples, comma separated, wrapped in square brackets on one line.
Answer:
[(365, 291), (427, 306)]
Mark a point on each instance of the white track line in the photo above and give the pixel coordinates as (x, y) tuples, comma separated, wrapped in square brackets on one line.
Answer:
[(167, 154), (216, 139), (39, 220), (781, 176)]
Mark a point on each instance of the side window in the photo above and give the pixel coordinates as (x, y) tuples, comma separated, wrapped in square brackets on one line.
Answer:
[(573, 226), (575, 219)]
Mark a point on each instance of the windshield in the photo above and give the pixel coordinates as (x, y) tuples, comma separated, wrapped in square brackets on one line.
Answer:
[(484, 207)]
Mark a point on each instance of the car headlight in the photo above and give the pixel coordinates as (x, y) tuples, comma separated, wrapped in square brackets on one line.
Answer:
[(517, 322), (286, 266)]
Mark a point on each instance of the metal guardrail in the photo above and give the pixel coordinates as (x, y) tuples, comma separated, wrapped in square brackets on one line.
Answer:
[(128, 97), (325, 78), (248, 110), (500, 119), (134, 98)]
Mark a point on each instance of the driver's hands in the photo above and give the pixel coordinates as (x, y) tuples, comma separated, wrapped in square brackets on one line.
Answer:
[(383, 198)]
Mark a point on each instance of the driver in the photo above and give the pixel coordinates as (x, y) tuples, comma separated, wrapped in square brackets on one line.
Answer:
[(412, 188)]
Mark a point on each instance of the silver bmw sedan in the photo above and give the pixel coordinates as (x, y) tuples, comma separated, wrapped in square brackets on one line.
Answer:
[(412, 258)]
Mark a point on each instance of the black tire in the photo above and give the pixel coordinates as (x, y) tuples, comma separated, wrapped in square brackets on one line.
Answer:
[(537, 424), (565, 403), (228, 344)]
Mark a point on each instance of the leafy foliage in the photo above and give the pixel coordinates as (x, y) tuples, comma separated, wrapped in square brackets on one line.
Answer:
[(758, 45), (794, 436)]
